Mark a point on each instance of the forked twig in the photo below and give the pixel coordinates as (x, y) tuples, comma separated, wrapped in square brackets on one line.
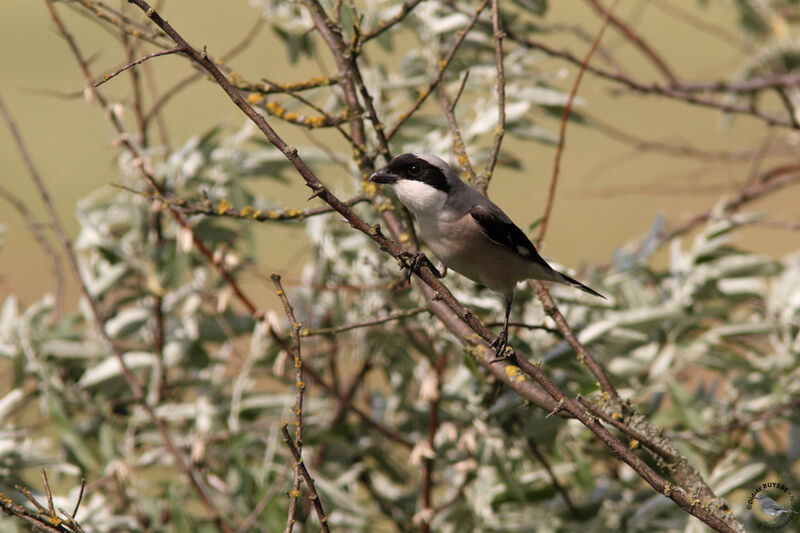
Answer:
[(298, 402), (312, 489), (139, 61)]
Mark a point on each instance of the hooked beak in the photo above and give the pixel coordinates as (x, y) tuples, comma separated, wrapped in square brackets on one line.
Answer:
[(383, 176)]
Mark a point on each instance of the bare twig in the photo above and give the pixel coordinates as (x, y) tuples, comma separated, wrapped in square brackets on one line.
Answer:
[(500, 129), (139, 61), (553, 479), (632, 36), (440, 74), (365, 324), (384, 430), (36, 229), (767, 182), (80, 498), (551, 309), (562, 132), (652, 88), (161, 101), (687, 17), (428, 462), (298, 401), (459, 147), (48, 493), (405, 9), (312, 489)]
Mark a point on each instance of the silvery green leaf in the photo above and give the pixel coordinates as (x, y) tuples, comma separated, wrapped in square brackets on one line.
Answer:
[(9, 314), (107, 276), (747, 285), (532, 131), (449, 23), (127, 321), (545, 96), (515, 111), (628, 318), (683, 405), (65, 349), (110, 368), (636, 361), (649, 509), (10, 401), (724, 481)]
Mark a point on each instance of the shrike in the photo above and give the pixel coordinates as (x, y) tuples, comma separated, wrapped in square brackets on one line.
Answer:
[(466, 231)]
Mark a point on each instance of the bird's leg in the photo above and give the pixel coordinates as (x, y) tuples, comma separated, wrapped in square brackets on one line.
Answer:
[(414, 261), (501, 341)]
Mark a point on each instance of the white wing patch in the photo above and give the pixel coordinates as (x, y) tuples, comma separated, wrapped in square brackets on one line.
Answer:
[(523, 251)]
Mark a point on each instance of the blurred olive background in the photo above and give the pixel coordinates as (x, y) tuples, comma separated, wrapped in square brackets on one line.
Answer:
[(609, 193)]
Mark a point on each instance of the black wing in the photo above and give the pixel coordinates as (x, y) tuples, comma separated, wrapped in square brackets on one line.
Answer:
[(499, 228)]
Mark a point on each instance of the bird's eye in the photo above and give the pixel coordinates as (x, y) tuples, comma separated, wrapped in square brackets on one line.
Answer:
[(414, 169)]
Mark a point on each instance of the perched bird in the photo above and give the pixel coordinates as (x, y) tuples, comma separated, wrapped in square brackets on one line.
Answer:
[(466, 231), (771, 507)]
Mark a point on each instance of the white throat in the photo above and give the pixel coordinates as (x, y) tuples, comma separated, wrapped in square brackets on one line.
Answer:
[(420, 198)]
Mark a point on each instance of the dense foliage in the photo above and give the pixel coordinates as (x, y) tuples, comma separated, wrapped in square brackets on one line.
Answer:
[(402, 428)]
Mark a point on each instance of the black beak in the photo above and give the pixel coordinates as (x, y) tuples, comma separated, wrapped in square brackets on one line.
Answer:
[(383, 176)]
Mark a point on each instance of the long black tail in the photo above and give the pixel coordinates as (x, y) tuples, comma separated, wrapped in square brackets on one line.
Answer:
[(563, 278)]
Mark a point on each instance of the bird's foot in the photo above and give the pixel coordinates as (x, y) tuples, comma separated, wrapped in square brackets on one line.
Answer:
[(500, 344), (413, 261)]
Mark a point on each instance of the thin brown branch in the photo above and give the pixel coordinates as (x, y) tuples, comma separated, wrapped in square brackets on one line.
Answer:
[(689, 18), (331, 34), (118, 21), (499, 131), (653, 88), (642, 439), (553, 479), (551, 310), (223, 209), (743, 424), (562, 131), (346, 59), (365, 324), (682, 149), (342, 405), (633, 37), (139, 61), (48, 493), (769, 181), (439, 75), (405, 9), (161, 101), (754, 85), (428, 462), (384, 430), (80, 499), (327, 118), (298, 401), (459, 147), (34, 227), (312, 489)]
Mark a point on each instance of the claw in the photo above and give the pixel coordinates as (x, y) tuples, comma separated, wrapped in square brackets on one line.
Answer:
[(416, 260), (499, 345)]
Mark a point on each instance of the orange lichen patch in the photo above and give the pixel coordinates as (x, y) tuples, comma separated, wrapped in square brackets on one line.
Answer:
[(255, 98), (223, 207)]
